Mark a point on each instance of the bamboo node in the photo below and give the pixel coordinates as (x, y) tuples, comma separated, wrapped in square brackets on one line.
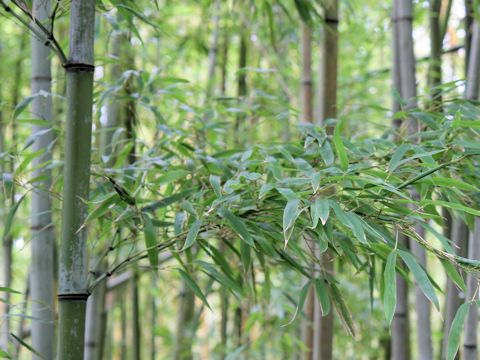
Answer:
[(73, 296), (79, 67)]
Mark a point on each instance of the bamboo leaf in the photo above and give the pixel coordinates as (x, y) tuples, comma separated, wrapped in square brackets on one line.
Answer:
[(320, 209), (150, 236), (6, 289), (315, 181), (454, 275), (322, 295), (172, 176), (215, 182), (27, 346), (301, 301), (326, 152), (192, 234), (290, 214), (342, 310), (194, 287), (397, 156), (456, 330), (420, 277), (7, 227), (238, 226), (390, 287)]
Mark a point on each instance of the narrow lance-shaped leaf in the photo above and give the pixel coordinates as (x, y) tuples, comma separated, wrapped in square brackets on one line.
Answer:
[(238, 226), (456, 330), (192, 234), (301, 301), (27, 346), (215, 182), (11, 214), (194, 287), (290, 214), (322, 296), (421, 277), (150, 236), (390, 287), (320, 209)]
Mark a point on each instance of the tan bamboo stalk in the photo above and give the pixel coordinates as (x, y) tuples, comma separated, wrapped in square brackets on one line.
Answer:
[(400, 341), (5, 278), (73, 260), (468, 31), (307, 83), (470, 343), (307, 116), (323, 327), (43, 241), (213, 51), (470, 346), (435, 62)]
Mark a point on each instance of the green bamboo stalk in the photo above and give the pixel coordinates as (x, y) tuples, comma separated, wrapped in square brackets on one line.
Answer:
[(43, 241), (72, 272)]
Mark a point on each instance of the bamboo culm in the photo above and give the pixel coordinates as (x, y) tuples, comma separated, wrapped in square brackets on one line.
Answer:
[(43, 241), (73, 258)]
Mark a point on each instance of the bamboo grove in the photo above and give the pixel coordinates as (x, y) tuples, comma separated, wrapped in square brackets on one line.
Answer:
[(271, 179)]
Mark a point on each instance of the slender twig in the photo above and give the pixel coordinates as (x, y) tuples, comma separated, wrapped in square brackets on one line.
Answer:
[(429, 172), (41, 32)]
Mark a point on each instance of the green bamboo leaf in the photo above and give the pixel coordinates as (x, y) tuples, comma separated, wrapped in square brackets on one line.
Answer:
[(215, 182), (22, 105), (245, 255), (342, 309), (453, 274), (451, 205), (322, 295), (194, 287), (397, 156), (25, 345), (315, 181), (172, 176), (301, 301), (7, 227), (456, 330), (340, 147), (390, 287), (320, 209), (356, 224), (290, 214), (326, 152), (6, 289), (192, 234), (5, 355), (238, 226), (150, 236), (103, 208), (421, 277)]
